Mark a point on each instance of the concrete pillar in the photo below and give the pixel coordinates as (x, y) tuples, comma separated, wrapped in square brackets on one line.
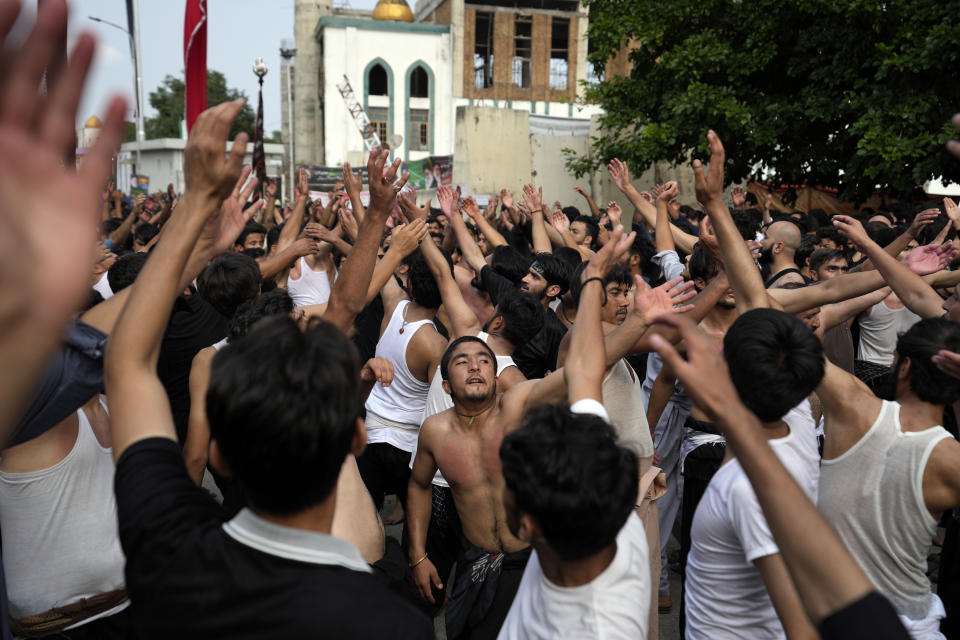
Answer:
[(456, 32), (581, 60), (307, 109)]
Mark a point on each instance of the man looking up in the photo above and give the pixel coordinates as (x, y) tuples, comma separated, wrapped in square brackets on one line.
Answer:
[(493, 558), (273, 570)]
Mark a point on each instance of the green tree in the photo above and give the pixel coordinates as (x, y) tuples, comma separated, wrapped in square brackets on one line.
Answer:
[(168, 101), (852, 94)]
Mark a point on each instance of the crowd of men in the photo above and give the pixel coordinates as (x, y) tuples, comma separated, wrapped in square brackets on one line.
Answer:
[(210, 396)]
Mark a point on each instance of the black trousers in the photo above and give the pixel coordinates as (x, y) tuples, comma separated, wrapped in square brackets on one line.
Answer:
[(385, 469), (698, 469)]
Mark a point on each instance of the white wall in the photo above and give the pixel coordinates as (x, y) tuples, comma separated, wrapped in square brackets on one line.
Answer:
[(348, 50)]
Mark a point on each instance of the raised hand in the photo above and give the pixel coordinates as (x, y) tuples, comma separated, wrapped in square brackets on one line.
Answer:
[(506, 198), (223, 227), (851, 229), (491, 211), (619, 173), (646, 195), (407, 237), (739, 197), (922, 219), (448, 200), (579, 190), (667, 298), (352, 183), (383, 190), (303, 189), (709, 184), (533, 197), (410, 209), (610, 254), (669, 191), (614, 213), (305, 246), (471, 208), (172, 194), (349, 222), (559, 221), (207, 173), (953, 212), (708, 239), (317, 231), (931, 258)]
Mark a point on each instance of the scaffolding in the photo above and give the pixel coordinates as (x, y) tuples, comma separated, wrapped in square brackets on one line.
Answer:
[(370, 138)]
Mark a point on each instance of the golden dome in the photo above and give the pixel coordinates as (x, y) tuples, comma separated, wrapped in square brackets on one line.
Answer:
[(393, 10), (93, 122)]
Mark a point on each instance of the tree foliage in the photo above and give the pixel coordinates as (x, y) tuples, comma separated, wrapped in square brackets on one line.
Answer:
[(168, 100), (852, 94)]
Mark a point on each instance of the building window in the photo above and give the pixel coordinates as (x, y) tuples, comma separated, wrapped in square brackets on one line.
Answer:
[(419, 83), (483, 51), (522, 50), (377, 81), (559, 53), (593, 75), (378, 118), (419, 134)]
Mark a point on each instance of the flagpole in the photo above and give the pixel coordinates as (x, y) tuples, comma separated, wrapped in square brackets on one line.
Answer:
[(259, 159)]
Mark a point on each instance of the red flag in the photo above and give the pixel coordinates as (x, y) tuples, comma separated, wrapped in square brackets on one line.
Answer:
[(195, 59)]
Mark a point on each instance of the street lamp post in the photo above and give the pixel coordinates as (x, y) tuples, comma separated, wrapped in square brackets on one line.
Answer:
[(288, 55), (134, 38)]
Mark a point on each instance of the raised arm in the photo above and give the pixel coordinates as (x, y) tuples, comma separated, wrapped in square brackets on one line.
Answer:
[(594, 209), (468, 246), (744, 276), (291, 228), (348, 296), (900, 243), (494, 239), (164, 214), (353, 186), (916, 294), (463, 320), (621, 177), (120, 234), (663, 238), (138, 401)]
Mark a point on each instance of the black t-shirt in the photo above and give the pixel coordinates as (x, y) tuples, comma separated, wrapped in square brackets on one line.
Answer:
[(194, 325), (190, 576), (872, 617), (539, 355)]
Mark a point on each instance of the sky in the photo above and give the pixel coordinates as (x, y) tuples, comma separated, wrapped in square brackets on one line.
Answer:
[(238, 31)]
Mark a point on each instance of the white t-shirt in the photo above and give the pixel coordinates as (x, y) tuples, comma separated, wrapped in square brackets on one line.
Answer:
[(612, 605), (725, 596)]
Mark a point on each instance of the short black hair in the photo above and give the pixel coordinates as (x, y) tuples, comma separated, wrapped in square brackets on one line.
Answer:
[(642, 247), (145, 232), (510, 263), (423, 287), (250, 227), (808, 244), (448, 354), (567, 471), (593, 229), (272, 303), (228, 281), (571, 212), (282, 406), (523, 316), (125, 270), (618, 273), (821, 256), (569, 255), (555, 271), (702, 264), (920, 343), (273, 235), (775, 361)]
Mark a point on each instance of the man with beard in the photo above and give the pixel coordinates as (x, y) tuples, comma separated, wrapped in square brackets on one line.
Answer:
[(780, 242), (547, 278), (463, 443)]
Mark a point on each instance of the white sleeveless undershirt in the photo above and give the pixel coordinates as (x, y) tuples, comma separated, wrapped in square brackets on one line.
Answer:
[(402, 403), (59, 527), (312, 287), (872, 495), (880, 329)]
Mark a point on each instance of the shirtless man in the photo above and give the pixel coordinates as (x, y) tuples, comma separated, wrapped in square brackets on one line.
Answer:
[(463, 443)]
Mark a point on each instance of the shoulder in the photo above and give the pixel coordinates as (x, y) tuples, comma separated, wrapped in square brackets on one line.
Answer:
[(435, 426)]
